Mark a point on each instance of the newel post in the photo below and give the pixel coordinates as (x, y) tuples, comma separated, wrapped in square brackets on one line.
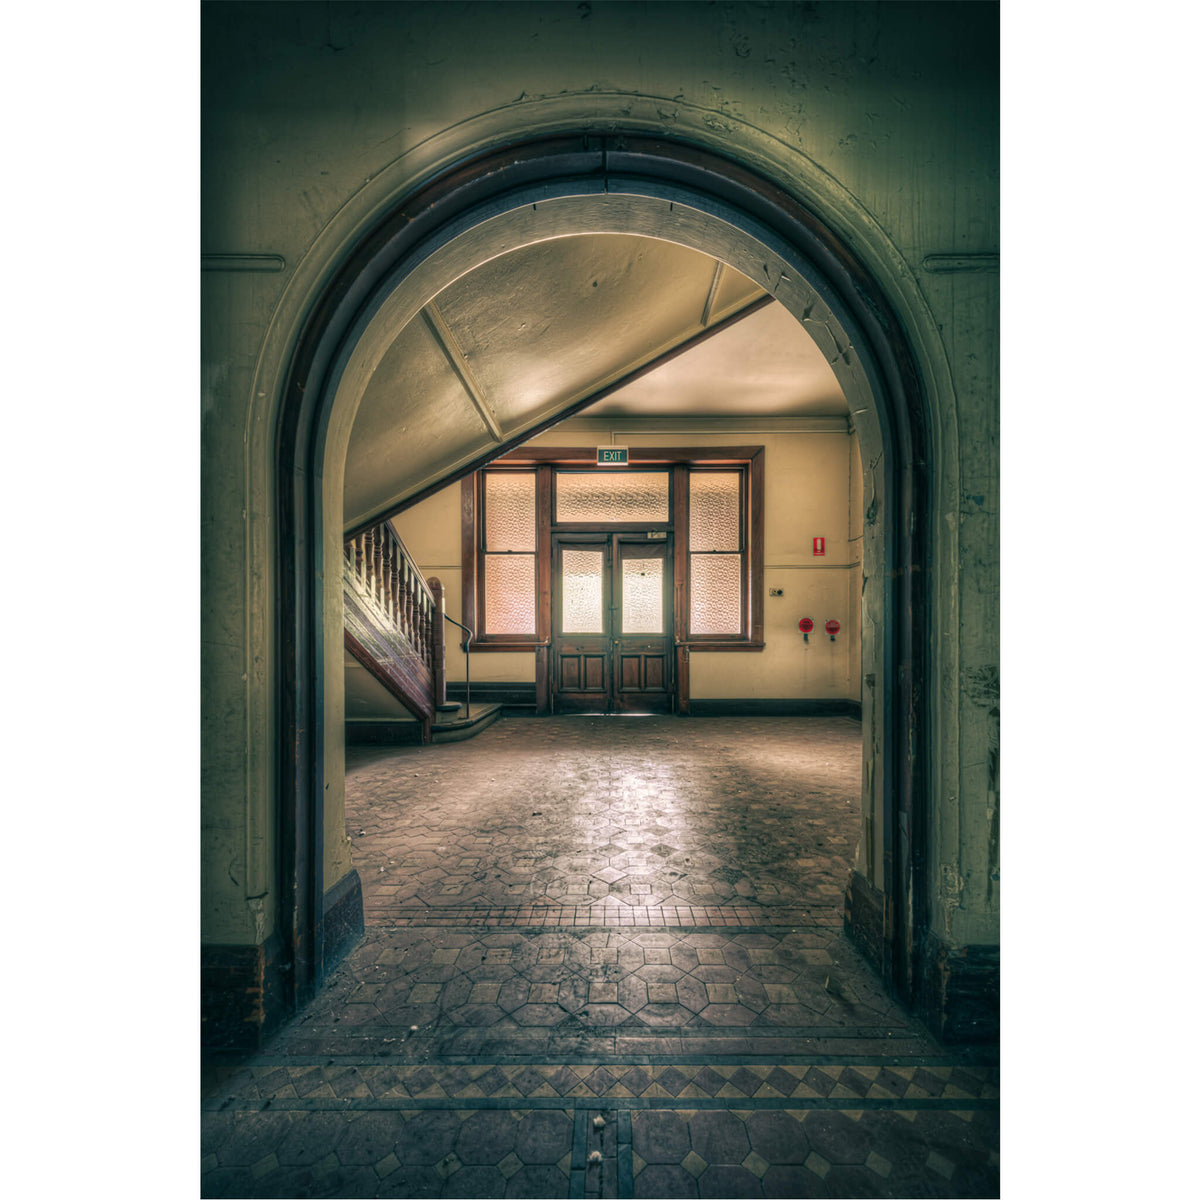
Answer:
[(439, 641)]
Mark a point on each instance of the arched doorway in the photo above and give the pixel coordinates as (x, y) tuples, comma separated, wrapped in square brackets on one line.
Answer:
[(655, 188)]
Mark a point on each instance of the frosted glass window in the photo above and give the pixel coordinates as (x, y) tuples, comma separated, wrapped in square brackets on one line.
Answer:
[(716, 594), (612, 497), (582, 591), (714, 510), (509, 593), (510, 511), (642, 595)]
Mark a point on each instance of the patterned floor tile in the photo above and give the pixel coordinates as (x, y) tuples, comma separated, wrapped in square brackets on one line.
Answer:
[(656, 944)]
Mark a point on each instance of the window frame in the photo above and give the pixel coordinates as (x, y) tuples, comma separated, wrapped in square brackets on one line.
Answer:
[(525, 640), (681, 461), (743, 554)]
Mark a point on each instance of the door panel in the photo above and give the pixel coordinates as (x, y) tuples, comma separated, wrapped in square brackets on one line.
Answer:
[(581, 637), (612, 640)]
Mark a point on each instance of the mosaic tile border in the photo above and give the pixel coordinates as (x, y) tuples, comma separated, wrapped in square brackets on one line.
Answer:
[(636, 1084), (678, 917)]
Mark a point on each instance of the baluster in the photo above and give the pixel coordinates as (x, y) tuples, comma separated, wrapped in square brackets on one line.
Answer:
[(368, 540), (358, 557), (385, 577), (394, 582), (377, 563), (402, 610), (427, 625), (411, 617), (419, 614)]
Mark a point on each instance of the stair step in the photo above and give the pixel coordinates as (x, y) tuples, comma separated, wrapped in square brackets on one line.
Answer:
[(450, 728)]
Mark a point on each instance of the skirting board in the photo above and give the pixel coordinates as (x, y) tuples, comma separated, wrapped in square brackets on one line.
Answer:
[(776, 708), (960, 992), (243, 1000)]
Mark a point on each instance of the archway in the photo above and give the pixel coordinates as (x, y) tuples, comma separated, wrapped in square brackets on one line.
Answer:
[(620, 184)]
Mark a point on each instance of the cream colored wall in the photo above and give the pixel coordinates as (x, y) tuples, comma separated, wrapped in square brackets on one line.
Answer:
[(808, 466), (304, 149)]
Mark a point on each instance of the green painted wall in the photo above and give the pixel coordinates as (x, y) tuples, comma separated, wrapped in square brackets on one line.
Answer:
[(883, 117)]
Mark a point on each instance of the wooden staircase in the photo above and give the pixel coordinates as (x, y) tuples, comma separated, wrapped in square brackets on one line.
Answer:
[(395, 623)]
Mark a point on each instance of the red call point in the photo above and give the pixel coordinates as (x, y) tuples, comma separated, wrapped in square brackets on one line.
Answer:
[(819, 546)]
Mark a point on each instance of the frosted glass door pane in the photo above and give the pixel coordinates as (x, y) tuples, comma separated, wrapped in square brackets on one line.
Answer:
[(716, 594), (642, 595), (509, 593), (582, 591), (510, 511), (714, 512), (599, 496)]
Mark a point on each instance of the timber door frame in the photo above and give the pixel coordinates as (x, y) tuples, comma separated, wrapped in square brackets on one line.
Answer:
[(570, 689), (680, 461), (587, 649), (645, 647)]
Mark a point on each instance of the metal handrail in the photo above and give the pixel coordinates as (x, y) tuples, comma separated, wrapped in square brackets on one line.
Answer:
[(467, 649)]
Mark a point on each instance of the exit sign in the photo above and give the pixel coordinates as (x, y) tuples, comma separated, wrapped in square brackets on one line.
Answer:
[(612, 456)]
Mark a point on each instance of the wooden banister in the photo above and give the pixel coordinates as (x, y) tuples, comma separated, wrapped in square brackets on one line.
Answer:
[(395, 620)]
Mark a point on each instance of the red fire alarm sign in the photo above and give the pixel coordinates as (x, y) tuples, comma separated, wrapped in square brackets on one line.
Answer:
[(831, 627), (818, 546), (806, 624)]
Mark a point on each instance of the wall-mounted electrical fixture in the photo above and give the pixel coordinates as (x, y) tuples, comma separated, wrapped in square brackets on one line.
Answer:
[(806, 626), (831, 628), (775, 591), (819, 547)]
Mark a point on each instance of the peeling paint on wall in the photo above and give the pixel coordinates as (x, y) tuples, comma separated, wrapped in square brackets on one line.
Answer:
[(981, 686), (950, 891)]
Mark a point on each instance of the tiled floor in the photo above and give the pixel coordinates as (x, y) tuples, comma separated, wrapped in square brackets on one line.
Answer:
[(604, 958)]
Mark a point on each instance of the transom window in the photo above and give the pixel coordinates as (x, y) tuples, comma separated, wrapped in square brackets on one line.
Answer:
[(612, 498)]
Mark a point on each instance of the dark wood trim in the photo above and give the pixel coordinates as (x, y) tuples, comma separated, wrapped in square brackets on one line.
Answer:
[(542, 684), (584, 457), (783, 707), (679, 506), (244, 995), (545, 481), (863, 920), (756, 575), (573, 527), (683, 681), (959, 992), (439, 640), (344, 924), (749, 460), (756, 203), (385, 731), (490, 692)]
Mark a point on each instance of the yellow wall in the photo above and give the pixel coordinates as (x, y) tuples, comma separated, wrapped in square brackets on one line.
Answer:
[(813, 488)]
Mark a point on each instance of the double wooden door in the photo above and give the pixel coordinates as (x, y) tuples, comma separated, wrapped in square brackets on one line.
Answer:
[(612, 644)]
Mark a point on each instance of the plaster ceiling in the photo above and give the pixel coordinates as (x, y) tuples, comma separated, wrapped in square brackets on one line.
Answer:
[(533, 331)]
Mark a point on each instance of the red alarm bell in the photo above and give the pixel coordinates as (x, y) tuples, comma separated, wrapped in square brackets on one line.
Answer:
[(831, 627), (806, 625)]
